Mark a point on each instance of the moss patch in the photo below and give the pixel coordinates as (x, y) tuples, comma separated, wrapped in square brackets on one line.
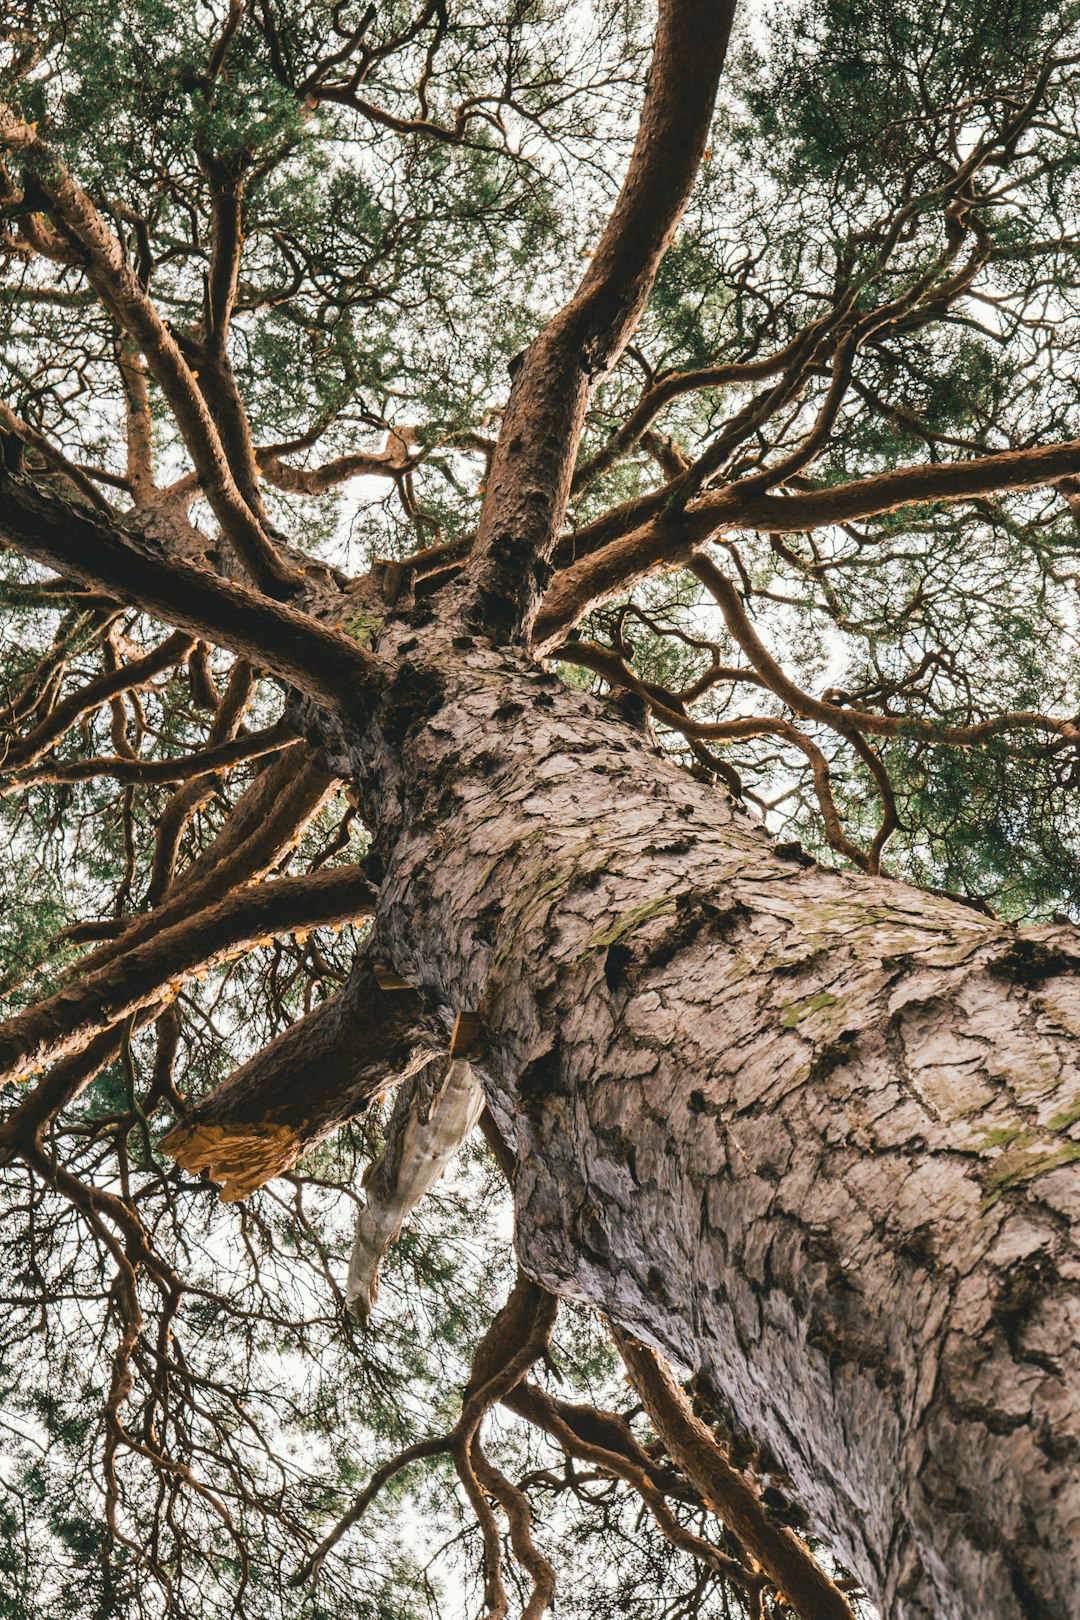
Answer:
[(795, 1011), (627, 923)]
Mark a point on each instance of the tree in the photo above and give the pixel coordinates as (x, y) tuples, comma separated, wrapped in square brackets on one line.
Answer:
[(773, 535)]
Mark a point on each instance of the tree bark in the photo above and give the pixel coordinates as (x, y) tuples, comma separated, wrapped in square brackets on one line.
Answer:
[(811, 1135), (433, 1115)]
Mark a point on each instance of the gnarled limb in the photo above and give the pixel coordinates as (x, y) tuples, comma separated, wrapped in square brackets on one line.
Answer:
[(517, 1338), (604, 1445), (390, 462), (113, 279), (310, 1080), (67, 713)]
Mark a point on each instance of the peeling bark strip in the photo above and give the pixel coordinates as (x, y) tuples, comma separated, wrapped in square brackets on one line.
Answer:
[(812, 1135), (432, 1118)]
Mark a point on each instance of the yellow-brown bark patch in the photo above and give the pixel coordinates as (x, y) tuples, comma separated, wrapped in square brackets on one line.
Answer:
[(241, 1158)]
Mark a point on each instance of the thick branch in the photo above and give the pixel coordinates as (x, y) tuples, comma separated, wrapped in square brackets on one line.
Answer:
[(130, 564), (670, 539), (312, 1079), (267, 818), (64, 1022), (531, 470), (390, 462)]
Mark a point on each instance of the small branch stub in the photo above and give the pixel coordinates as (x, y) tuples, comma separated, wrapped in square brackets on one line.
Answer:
[(468, 1027), (387, 979)]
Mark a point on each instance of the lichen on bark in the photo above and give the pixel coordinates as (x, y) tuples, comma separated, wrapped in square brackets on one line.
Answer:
[(774, 1119)]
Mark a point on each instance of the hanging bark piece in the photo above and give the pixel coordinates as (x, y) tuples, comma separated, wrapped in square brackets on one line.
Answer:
[(431, 1119)]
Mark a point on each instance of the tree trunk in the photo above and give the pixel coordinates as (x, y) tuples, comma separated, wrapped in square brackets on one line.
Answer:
[(810, 1134)]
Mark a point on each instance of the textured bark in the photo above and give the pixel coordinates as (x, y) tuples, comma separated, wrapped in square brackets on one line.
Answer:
[(811, 1135)]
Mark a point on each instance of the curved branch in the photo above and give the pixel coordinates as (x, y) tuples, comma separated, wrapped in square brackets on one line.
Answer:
[(624, 1462), (189, 768), (435, 1447), (847, 720), (140, 672), (668, 539), (673, 386), (529, 485), (129, 563), (390, 462), (67, 1020), (779, 1552), (108, 271), (266, 819)]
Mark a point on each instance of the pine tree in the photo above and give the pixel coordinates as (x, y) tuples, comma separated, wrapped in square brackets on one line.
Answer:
[(539, 664)]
